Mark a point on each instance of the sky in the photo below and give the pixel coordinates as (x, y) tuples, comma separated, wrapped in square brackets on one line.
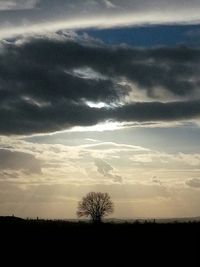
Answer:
[(100, 96)]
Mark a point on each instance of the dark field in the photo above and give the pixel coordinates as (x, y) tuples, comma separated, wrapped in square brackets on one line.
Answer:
[(119, 243)]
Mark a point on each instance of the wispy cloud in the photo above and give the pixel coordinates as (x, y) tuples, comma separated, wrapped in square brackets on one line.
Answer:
[(106, 170), (194, 182)]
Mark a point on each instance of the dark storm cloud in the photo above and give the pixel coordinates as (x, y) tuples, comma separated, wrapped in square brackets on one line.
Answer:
[(41, 90), (157, 111), (13, 160), (175, 69)]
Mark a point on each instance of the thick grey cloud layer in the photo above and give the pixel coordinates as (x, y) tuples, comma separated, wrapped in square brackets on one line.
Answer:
[(17, 4), (118, 5), (17, 14), (57, 8), (45, 83)]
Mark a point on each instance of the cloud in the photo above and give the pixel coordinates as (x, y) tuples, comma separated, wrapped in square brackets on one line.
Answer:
[(194, 182), (103, 167), (14, 160), (156, 180), (45, 94), (100, 6), (113, 146), (109, 4), (106, 170), (61, 14), (157, 111), (17, 4)]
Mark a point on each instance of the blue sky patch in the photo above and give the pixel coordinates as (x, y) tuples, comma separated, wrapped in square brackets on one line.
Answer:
[(148, 36)]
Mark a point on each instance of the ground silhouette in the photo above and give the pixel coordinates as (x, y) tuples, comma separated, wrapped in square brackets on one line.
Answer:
[(120, 244)]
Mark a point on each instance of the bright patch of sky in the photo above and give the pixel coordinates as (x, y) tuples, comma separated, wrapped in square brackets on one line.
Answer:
[(172, 139)]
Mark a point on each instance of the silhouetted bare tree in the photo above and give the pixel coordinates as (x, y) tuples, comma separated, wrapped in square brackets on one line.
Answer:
[(96, 205)]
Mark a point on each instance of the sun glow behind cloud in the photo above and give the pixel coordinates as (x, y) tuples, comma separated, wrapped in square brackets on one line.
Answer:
[(100, 127)]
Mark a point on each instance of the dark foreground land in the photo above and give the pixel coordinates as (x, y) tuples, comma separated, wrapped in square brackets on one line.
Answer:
[(122, 244)]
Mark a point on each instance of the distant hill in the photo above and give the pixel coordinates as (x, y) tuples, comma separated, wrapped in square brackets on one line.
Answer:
[(187, 219), (10, 218), (110, 220), (156, 220)]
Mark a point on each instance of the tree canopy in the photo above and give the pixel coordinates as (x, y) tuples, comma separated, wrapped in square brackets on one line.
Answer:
[(95, 205)]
